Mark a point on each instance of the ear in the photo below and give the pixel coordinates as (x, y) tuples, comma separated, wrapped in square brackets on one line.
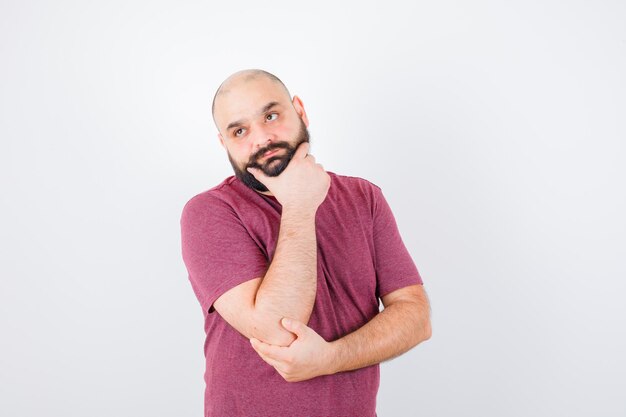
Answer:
[(299, 106), (219, 136)]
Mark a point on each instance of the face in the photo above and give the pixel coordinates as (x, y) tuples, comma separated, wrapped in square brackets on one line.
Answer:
[(254, 117), (272, 165)]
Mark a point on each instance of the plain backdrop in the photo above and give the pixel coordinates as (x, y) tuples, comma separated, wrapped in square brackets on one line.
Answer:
[(495, 129)]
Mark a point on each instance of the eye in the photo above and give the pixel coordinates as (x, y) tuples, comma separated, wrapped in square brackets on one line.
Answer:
[(271, 116), (238, 132)]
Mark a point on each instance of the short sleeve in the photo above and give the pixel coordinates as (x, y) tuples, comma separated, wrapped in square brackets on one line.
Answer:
[(217, 249), (395, 268)]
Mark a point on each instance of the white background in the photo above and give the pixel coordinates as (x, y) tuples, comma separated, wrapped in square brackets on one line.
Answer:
[(495, 129)]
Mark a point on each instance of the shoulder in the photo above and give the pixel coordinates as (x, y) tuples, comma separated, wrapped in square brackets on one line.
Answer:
[(354, 187), (206, 201), (355, 193), (352, 181)]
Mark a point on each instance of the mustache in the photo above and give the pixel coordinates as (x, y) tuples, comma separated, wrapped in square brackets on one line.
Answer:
[(270, 147)]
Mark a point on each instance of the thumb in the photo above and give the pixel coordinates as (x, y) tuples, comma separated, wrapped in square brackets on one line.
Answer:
[(294, 326)]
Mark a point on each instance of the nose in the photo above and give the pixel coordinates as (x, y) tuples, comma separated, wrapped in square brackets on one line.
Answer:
[(262, 137)]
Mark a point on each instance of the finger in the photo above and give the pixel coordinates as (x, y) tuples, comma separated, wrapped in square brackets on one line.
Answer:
[(294, 326), (284, 375), (269, 361), (302, 151), (272, 351), (257, 173), (257, 345)]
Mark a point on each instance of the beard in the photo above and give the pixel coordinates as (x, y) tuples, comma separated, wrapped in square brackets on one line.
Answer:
[(274, 165)]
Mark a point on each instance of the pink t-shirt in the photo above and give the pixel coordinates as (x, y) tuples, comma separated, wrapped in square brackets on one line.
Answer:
[(229, 236)]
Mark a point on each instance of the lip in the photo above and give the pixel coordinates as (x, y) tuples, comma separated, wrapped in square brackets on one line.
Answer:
[(270, 153)]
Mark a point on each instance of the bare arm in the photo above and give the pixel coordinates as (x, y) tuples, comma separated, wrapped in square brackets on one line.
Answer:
[(290, 284), (401, 326)]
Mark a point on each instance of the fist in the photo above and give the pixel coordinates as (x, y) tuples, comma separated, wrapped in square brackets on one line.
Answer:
[(303, 185)]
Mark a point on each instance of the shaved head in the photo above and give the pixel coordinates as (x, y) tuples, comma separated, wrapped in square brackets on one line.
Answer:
[(241, 77)]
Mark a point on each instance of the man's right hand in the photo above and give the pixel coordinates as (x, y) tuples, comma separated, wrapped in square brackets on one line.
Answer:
[(303, 185)]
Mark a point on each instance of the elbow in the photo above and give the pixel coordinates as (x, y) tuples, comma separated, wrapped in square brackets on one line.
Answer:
[(428, 331), (425, 329), (267, 328)]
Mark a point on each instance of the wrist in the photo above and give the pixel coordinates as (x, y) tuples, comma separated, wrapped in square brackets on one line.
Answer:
[(299, 212), (334, 357)]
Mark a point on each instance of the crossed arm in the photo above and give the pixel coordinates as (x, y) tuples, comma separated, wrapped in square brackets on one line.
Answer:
[(403, 324), (288, 290)]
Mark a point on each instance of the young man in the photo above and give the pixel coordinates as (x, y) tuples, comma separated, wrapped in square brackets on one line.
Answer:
[(288, 262)]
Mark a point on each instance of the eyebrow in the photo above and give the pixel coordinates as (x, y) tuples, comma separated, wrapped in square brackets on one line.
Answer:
[(265, 108)]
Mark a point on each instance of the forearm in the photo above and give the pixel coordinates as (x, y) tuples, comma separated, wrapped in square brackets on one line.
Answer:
[(290, 283), (392, 332)]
